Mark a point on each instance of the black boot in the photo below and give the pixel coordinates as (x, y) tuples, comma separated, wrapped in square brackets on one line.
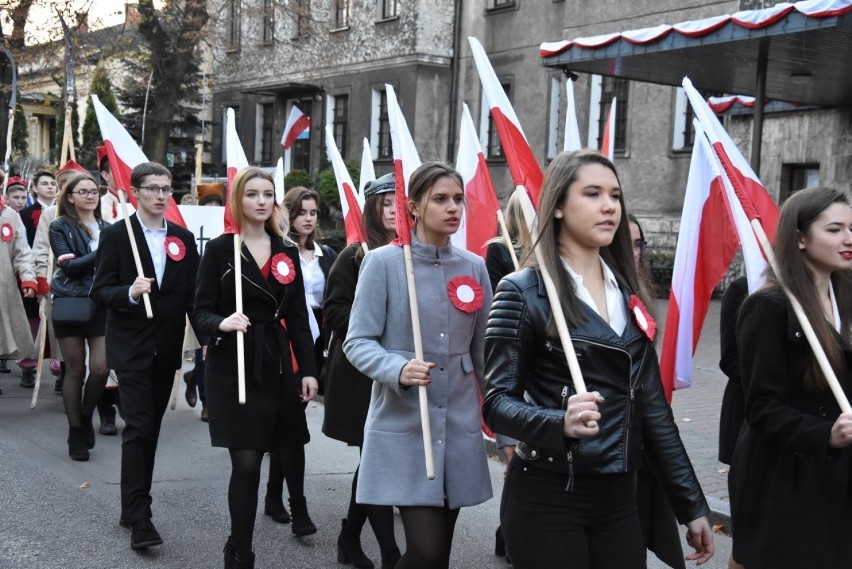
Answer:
[(301, 521), (390, 557), (77, 449), (4, 367), (28, 379), (499, 543), (88, 431), (228, 553), (275, 508), (349, 548), (108, 425), (241, 562)]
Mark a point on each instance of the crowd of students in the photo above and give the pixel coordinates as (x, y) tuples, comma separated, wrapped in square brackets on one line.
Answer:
[(488, 347)]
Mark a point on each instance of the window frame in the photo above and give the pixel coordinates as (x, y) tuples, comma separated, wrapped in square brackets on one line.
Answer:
[(234, 23), (340, 14)]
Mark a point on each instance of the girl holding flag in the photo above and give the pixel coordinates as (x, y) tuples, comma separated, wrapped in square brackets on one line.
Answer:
[(453, 289), (791, 474), (571, 488), (274, 321)]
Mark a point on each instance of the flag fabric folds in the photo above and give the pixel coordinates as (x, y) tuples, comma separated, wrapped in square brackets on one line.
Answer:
[(608, 139), (124, 154), (349, 204), (236, 159), (297, 123), (280, 190), (525, 169), (368, 171), (405, 161), (479, 223), (572, 129)]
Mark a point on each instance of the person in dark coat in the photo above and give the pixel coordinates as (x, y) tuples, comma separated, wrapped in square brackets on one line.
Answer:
[(274, 321), (791, 476), (347, 390), (732, 414), (145, 353), (571, 488)]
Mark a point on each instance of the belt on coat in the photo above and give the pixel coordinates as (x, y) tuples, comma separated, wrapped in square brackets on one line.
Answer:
[(261, 333)]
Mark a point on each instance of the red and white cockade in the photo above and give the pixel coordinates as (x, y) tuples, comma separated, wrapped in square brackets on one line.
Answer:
[(283, 269), (642, 317), (465, 293), (7, 232), (175, 248)]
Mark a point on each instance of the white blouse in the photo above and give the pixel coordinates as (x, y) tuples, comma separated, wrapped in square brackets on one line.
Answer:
[(615, 306)]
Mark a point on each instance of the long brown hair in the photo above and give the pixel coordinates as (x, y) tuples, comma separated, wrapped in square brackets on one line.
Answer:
[(66, 208), (372, 222), (293, 202), (795, 222), (560, 175), (238, 190)]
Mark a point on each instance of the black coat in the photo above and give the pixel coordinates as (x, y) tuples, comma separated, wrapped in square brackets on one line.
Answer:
[(273, 416), (132, 340), (75, 264), (791, 494), (347, 390), (732, 414), (499, 262), (529, 386)]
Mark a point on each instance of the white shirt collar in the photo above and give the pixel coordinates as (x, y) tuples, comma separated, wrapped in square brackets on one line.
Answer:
[(616, 308), (145, 228), (317, 249), (609, 276)]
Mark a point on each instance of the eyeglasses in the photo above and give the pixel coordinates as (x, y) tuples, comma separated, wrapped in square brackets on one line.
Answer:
[(87, 193), (641, 245), (165, 190)]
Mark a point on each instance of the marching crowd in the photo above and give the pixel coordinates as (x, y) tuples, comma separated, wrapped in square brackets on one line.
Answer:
[(594, 477)]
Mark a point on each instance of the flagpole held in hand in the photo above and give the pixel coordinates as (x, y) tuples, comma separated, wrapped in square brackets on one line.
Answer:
[(553, 298), (507, 239), (42, 331), (241, 340), (122, 198)]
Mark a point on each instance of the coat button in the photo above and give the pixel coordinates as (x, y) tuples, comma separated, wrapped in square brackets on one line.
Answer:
[(798, 334), (823, 412), (549, 459), (534, 454), (436, 265), (439, 441)]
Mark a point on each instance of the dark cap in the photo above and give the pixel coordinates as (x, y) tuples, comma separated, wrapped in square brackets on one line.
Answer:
[(383, 185)]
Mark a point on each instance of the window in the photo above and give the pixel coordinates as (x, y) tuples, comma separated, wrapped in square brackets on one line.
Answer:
[(233, 23), (265, 144), (340, 15), (683, 135), (603, 89), (388, 9), (340, 122), (492, 4), (795, 177), (301, 149), (380, 137), (268, 21), (302, 10), (489, 137)]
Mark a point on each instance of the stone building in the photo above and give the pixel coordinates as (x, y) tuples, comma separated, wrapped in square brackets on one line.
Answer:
[(332, 58)]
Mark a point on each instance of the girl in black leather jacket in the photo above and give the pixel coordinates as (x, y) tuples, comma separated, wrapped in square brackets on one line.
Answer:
[(74, 240), (570, 492)]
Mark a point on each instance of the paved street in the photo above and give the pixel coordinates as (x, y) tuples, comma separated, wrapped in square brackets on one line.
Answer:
[(56, 513)]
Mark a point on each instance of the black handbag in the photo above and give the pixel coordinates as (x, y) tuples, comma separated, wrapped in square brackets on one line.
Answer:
[(73, 310)]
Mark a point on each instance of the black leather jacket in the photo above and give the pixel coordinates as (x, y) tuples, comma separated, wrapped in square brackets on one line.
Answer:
[(75, 264), (529, 386)]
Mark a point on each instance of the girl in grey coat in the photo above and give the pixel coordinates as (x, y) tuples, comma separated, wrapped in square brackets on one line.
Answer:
[(454, 296)]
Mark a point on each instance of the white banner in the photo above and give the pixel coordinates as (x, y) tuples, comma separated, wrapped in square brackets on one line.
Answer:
[(205, 221)]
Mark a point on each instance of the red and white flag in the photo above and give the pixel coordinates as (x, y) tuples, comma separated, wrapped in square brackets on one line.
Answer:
[(572, 129), (348, 199), (479, 222), (405, 161), (297, 123), (525, 169), (280, 190), (124, 154), (368, 171), (608, 139), (236, 159)]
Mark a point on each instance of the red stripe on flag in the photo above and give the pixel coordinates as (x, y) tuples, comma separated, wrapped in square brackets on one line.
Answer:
[(482, 206), (301, 124), (403, 223), (352, 222), (522, 162), (231, 225)]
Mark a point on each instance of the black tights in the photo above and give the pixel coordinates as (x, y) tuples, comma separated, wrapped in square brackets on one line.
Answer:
[(242, 497), (428, 536), (80, 400), (287, 464), (381, 519)]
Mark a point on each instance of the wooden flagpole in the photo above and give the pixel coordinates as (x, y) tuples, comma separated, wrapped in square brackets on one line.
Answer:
[(553, 298), (241, 341), (42, 331), (176, 384), (122, 198), (418, 354), (507, 239)]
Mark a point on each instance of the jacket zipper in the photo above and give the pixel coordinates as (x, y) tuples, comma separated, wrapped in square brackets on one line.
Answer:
[(570, 486)]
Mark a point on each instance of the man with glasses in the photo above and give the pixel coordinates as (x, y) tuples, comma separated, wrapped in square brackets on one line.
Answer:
[(144, 353)]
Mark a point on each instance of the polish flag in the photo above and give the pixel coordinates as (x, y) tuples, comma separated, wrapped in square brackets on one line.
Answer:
[(608, 141), (236, 159), (280, 190), (479, 222), (572, 130), (405, 161), (297, 123), (124, 154), (523, 165), (348, 198), (368, 172)]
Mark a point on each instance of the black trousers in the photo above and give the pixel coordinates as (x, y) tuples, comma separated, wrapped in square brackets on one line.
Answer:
[(144, 398), (594, 526)]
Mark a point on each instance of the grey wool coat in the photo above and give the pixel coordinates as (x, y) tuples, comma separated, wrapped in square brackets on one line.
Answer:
[(380, 342)]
